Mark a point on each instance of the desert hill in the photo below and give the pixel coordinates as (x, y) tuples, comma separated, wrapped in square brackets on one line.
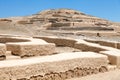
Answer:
[(56, 19)]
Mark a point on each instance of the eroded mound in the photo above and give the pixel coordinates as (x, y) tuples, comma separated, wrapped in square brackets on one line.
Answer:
[(55, 19)]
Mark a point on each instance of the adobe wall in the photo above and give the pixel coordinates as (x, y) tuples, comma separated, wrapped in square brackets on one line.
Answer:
[(31, 49), (13, 39), (54, 67), (82, 24), (113, 57), (59, 41), (118, 45), (85, 47), (60, 24), (72, 43), (2, 51), (25, 47), (101, 33), (104, 43)]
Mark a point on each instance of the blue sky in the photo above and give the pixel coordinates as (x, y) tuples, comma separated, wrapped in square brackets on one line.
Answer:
[(108, 9)]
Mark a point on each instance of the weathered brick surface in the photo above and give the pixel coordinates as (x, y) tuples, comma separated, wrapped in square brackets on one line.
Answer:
[(104, 43), (31, 49), (67, 65), (59, 41), (2, 51), (87, 47), (113, 56), (13, 39)]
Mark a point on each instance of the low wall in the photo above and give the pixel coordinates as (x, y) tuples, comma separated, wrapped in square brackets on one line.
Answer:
[(85, 47), (113, 57), (72, 43), (104, 43), (31, 49), (25, 47), (2, 51), (7, 39), (110, 44), (98, 33), (118, 45), (60, 66), (12, 39), (59, 41), (60, 24)]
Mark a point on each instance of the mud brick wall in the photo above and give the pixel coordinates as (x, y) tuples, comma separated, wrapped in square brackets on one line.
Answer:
[(104, 43), (2, 51), (113, 57), (59, 41), (61, 66), (7, 39), (85, 47), (118, 45), (31, 49)]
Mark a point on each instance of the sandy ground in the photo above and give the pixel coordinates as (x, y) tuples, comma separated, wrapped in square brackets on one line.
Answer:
[(66, 49), (111, 75)]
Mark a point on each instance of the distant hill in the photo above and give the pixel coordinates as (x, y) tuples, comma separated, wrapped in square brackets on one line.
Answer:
[(56, 19)]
